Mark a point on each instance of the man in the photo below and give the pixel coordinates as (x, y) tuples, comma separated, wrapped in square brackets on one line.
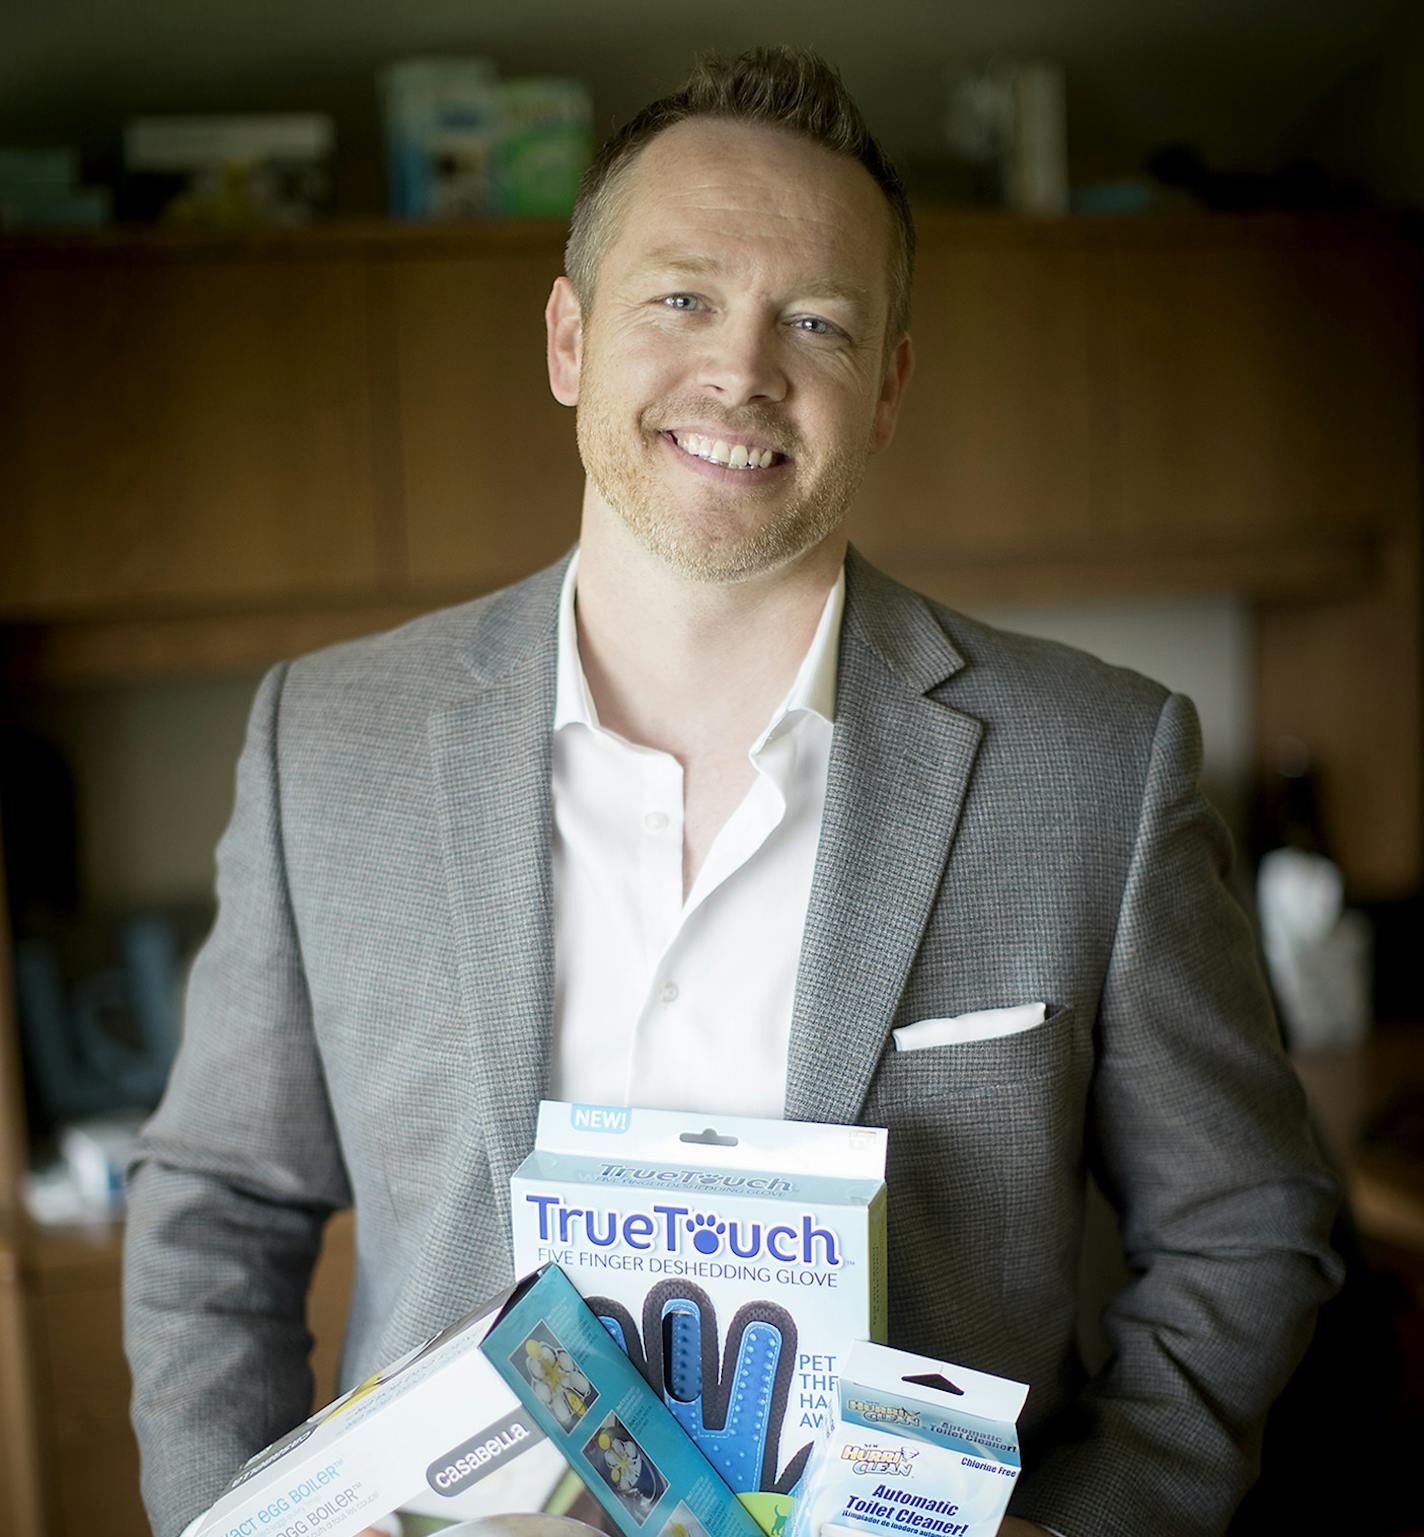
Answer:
[(697, 820)]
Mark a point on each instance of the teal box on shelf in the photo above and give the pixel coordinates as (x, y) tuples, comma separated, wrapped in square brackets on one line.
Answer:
[(613, 1430)]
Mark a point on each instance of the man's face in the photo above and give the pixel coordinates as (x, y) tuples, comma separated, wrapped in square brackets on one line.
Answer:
[(742, 301)]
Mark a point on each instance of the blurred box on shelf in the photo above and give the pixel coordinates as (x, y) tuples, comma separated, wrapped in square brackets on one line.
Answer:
[(442, 133), (40, 190), (251, 171), (546, 145), (463, 144)]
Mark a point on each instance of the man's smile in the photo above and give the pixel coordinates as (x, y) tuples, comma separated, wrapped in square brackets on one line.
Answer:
[(723, 456)]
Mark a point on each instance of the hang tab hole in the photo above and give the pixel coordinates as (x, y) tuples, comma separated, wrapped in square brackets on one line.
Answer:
[(708, 1137), (682, 1354), (936, 1380)]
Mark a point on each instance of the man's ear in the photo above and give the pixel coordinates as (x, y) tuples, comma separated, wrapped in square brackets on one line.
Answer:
[(892, 392), (563, 322)]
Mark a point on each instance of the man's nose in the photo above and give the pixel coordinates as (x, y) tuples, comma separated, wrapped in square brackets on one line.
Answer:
[(742, 361)]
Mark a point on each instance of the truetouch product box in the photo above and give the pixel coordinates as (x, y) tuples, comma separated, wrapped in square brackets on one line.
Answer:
[(735, 1260)]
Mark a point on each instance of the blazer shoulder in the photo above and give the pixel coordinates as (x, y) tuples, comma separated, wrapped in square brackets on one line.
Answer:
[(999, 675), (439, 656), (1008, 666)]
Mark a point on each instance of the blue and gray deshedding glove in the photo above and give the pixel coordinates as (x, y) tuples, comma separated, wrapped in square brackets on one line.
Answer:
[(733, 1408)]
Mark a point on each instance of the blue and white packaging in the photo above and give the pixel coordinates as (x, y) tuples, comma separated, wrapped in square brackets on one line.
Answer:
[(736, 1262), (612, 1429), (921, 1448)]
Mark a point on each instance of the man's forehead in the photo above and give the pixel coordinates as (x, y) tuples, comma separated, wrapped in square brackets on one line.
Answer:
[(702, 193), (680, 260)]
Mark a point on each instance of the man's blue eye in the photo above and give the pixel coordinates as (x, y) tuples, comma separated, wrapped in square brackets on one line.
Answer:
[(680, 301), (814, 325)]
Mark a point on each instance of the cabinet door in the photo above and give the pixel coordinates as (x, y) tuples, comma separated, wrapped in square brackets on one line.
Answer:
[(184, 428), (1265, 392), (489, 465), (90, 1458), (998, 452)]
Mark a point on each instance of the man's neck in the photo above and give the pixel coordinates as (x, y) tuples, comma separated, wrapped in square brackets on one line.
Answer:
[(688, 667), (691, 668)]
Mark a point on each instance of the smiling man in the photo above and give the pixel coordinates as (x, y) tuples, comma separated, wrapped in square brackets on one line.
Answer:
[(714, 816)]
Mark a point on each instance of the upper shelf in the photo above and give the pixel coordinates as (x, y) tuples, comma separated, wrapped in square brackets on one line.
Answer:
[(933, 225)]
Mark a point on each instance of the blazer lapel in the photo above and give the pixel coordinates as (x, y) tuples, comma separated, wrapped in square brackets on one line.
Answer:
[(491, 759), (899, 771)]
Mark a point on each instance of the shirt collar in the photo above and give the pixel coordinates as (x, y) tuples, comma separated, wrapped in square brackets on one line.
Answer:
[(813, 690), (573, 704)]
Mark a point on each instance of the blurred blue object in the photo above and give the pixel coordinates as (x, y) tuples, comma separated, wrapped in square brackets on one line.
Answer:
[(101, 1039), (1129, 194)]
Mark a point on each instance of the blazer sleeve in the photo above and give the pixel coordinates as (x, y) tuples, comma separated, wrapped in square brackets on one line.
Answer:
[(238, 1171), (1198, 1134)]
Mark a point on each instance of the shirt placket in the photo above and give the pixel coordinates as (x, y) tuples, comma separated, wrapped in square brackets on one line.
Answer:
[(659, 843)]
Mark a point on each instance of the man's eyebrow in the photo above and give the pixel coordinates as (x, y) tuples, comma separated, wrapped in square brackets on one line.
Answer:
[(679, 263)]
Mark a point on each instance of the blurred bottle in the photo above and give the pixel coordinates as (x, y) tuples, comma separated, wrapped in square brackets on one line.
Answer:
[(1318, 953)]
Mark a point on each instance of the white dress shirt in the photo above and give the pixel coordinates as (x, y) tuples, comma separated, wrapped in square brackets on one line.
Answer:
[(661, 1002)]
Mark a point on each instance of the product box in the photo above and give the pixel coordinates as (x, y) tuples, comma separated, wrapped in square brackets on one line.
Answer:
[(463, 144), (736, 1263), (921, 1447), (546, 144), (442, 125), (256, 170), (439, 1430), (613, 1430)]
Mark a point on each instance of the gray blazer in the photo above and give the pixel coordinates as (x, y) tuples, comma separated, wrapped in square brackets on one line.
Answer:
[(1005, 820)]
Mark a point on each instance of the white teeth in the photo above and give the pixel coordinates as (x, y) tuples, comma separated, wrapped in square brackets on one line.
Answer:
[(736, 456)]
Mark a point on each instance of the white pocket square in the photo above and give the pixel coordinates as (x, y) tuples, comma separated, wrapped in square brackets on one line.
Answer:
[(982, 1025)]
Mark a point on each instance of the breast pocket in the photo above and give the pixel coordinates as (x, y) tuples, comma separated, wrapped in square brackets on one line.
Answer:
[(985, 1161), (966, 1066)]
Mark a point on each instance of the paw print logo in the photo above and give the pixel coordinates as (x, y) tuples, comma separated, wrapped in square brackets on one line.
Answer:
[(706, 1233)]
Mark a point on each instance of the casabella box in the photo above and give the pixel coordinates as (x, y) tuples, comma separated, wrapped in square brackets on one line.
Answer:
[(735, 1263), (439, 1429)]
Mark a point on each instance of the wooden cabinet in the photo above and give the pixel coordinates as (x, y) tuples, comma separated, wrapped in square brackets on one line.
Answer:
[(19, 1435), (490, 477), (1000, 449), (1193, 397), (184, 426), (1265, 392), (333, 417), (87, 1457)]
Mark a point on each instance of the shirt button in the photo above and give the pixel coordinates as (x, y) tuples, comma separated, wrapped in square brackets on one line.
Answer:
[(667, 993), (655, 821)]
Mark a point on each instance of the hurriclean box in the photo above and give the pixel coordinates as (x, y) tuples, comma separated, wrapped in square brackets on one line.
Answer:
[(921, 1448), (735, 1260)]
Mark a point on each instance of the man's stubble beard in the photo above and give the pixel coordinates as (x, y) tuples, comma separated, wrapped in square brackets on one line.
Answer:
[(700, 538)]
